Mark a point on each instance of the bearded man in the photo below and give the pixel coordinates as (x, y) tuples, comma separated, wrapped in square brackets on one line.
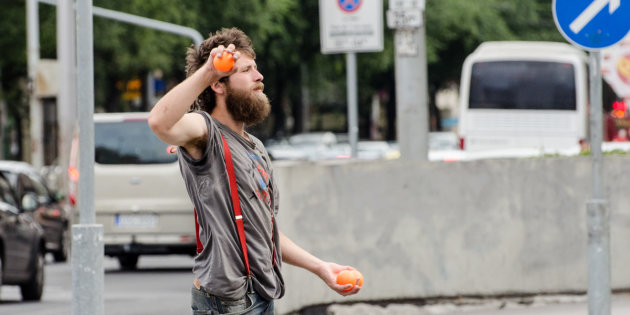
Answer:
[(230, 181)]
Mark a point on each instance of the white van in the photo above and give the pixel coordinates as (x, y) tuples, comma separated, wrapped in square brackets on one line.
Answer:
[(524, 95), (139, 194)]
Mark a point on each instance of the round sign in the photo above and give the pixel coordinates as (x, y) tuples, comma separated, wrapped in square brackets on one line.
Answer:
[(592, 24), (349, 5)]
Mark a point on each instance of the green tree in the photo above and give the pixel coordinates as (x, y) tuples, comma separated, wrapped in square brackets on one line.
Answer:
[(124, 52), (456, 27), (286, 38)]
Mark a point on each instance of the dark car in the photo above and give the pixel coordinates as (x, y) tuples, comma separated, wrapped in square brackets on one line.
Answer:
[(49, 213), (21, 244)]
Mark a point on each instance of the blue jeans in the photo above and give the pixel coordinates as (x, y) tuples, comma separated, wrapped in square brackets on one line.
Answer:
[(208, 304)]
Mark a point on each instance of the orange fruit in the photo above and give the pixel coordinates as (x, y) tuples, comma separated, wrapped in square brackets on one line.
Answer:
[(225, 63), (349, 277)]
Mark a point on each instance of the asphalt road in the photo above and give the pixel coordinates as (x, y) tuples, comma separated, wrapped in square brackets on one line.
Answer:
[(161, 286)]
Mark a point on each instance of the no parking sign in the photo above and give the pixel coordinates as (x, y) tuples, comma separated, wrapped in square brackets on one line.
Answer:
[(351, 25)]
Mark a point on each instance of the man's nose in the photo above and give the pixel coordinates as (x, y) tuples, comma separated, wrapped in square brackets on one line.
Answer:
[(259, 76)]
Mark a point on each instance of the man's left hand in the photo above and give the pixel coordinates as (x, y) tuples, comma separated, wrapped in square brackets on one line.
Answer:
[(329, 272)]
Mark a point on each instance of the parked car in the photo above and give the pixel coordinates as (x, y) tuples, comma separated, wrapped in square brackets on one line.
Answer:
[(315, 145), (377, 150), (22, 246), (50, 212), (139, 195), (282, 150)]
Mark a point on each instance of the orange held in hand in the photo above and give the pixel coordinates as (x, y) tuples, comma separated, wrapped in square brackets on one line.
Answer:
[(225, 63), (350, 277)]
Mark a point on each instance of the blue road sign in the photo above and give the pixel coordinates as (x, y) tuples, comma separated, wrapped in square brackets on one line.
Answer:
[(592, 24)]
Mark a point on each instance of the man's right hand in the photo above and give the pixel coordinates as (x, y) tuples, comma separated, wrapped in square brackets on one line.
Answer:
[(219, 51)]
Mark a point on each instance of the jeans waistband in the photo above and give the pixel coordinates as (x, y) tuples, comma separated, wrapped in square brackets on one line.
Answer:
[(201, 290)]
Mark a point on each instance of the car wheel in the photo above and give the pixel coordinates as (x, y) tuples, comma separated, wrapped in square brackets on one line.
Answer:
[(128, 262), (33, 289), (62, 254)]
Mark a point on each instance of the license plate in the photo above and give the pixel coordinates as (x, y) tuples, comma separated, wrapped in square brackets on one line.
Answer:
[(136, 220)]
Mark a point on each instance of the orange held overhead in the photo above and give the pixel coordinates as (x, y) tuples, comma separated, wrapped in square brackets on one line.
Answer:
[(224, 63), (350, 277)]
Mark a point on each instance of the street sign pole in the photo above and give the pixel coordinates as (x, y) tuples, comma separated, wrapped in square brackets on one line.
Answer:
[(350, 26), (87, 237), (35, 105), (597, 210), (353, 116), (412, 110), (594, 25)]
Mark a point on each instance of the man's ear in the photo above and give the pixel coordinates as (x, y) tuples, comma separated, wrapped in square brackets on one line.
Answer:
[(218, 87)]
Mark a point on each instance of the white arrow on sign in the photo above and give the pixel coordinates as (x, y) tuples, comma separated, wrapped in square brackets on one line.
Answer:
[(591, 11)]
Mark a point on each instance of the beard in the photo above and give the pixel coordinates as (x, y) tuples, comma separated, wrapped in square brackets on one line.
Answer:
[(247, 106)]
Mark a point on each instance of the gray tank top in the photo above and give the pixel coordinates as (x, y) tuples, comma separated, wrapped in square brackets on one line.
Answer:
[(220, 267)]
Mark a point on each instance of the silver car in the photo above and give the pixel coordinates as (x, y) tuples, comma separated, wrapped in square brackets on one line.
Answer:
[(140, 196)]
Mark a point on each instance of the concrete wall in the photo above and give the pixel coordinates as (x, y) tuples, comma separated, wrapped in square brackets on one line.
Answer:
[(426, 229)]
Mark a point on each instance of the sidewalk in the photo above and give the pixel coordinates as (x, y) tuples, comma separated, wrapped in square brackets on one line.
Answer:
[(539, 305)]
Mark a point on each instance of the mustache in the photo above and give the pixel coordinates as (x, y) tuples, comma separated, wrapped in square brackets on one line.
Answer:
[(259, 86)]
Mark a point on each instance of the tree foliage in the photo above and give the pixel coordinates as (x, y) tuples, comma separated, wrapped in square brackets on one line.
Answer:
[(286, 38), (456, 27)]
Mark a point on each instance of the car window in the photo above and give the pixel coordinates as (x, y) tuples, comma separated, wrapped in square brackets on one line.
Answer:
[(39, 188), (6, 194), (129, 142)]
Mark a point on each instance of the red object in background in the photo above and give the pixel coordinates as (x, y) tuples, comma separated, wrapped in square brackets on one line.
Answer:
[(617, 122), (73, 172), (620, 105)]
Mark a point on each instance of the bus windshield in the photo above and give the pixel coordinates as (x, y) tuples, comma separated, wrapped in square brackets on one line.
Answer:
[(528, 85)]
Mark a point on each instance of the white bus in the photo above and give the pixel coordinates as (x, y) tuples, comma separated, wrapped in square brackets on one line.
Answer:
[(524, 95)]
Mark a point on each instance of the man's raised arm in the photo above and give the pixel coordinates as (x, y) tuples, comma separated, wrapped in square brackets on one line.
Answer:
[(168, 118)]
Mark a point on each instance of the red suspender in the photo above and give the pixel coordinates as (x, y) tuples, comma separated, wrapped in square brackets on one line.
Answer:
[(199, 244), (238, 217)]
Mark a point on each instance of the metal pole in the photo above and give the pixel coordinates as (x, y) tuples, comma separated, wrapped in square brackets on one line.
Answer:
[(597, 212), (87, 238), (351, 81), (144, 22), (412, 122), (85, 97), (149, 23), (596, 121), (35, 108), (66, 101)]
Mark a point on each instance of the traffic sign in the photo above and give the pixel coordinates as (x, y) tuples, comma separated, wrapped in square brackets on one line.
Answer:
[(351, 26), (404, 18), (592, 24)]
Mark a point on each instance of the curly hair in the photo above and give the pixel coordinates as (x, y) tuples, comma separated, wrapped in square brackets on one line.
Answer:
[(197, 57)]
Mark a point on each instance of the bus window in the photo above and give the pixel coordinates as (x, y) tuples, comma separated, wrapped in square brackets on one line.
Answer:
[(522, 84)]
